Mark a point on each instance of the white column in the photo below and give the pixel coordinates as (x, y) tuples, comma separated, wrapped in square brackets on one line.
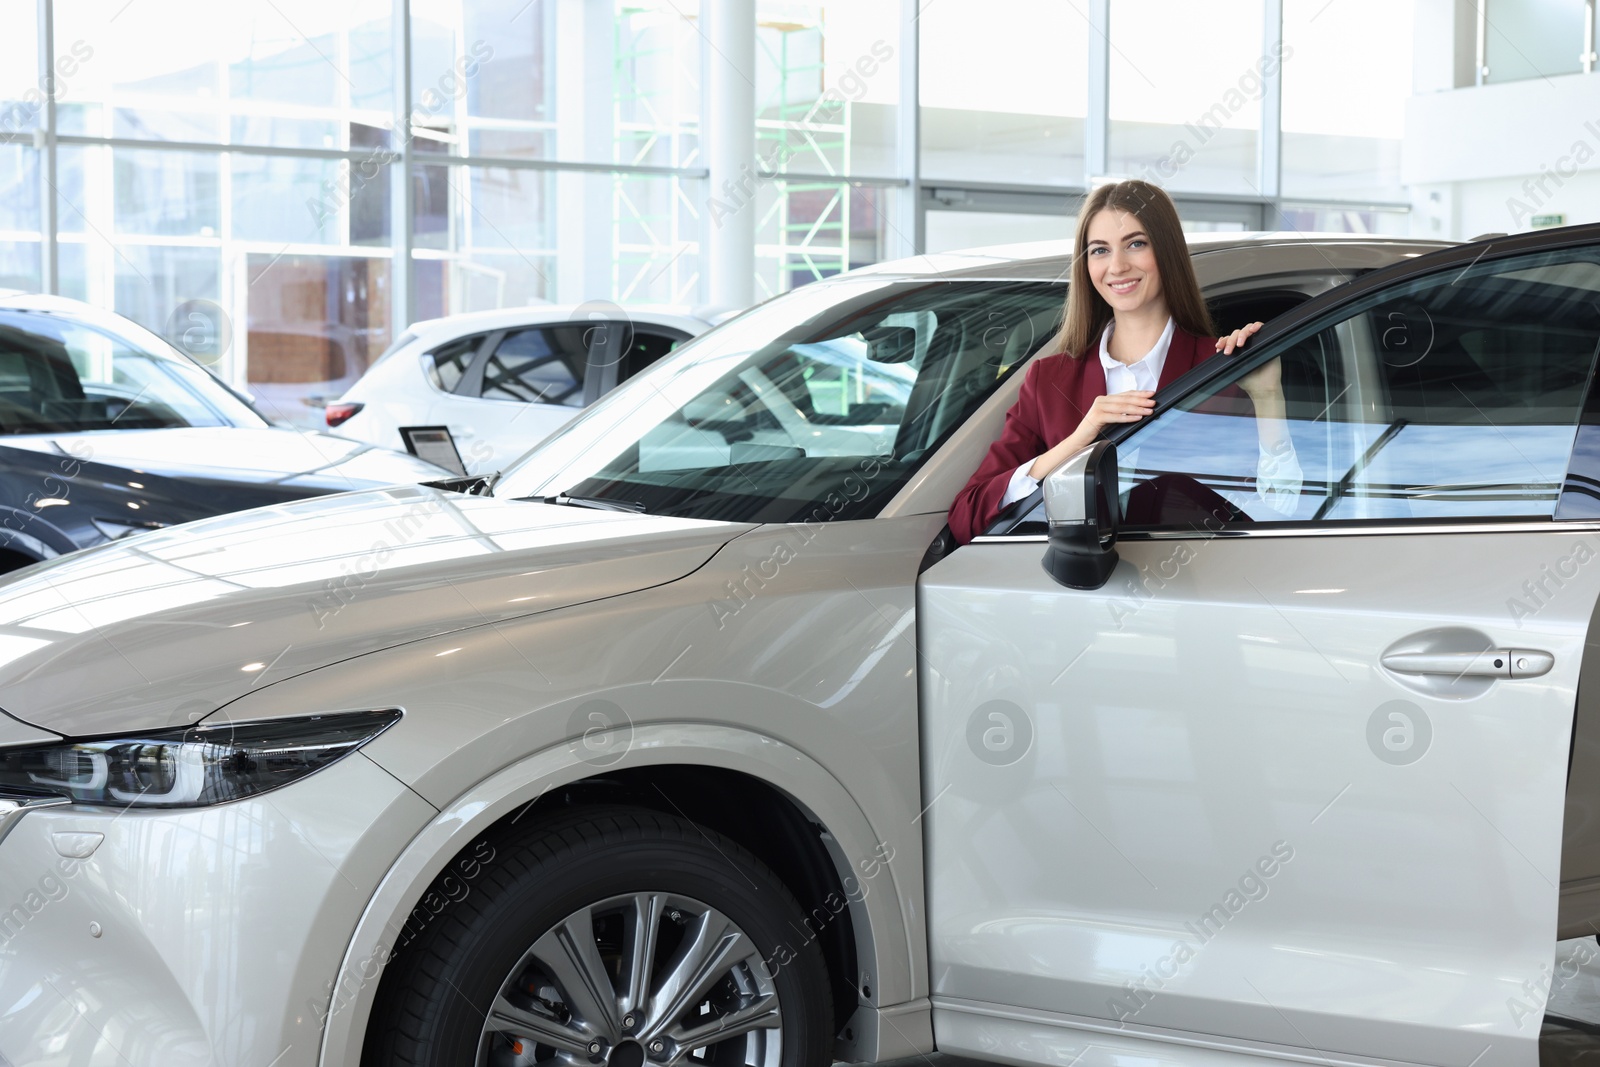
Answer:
[(44, 139), (583, 94), (402, 291), (1269, 144), (1445, 50), (905, 237), (1097, 124), (1445, 57), (730, 139)]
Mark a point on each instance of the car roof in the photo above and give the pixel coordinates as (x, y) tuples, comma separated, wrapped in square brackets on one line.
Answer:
[(1051, 260), (538, 314)]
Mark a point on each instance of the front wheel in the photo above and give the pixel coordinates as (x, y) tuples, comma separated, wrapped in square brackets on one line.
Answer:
[(622, 938)]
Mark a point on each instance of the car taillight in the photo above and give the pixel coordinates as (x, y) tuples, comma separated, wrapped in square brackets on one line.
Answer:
[(337, 413)]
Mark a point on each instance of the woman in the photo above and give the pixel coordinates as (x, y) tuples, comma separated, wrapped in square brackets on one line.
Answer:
[(1134, 297)]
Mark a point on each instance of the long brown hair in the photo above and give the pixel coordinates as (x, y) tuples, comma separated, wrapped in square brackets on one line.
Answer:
[(1087, 312)]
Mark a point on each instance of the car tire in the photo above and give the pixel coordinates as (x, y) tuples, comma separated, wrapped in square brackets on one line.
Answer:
[(544, 943)]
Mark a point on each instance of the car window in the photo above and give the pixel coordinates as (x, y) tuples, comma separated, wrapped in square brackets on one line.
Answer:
[(448, 364), (1233, 312), (816, 407), (646, 347), (542, 365), (1456, 395), (63, 375)]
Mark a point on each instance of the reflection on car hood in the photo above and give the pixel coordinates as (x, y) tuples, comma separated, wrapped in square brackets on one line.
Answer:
[(299, 458), (164, 628)]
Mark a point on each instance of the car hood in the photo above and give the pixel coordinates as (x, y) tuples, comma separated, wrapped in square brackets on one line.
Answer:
[(162, 629), (295, 459)]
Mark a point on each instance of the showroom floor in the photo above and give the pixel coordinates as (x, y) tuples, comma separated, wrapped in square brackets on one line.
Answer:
[(1574, 997)]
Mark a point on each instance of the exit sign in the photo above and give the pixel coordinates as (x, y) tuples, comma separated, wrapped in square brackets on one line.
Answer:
[(1540, 222)]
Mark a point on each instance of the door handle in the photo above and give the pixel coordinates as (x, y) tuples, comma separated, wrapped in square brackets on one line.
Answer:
[(1490, 663)]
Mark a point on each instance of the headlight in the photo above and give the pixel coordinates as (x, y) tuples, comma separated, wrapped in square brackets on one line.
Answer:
[(189, 767)]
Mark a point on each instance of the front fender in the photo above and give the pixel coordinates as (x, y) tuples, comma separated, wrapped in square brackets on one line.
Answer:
[(796, 641), (882, 943)]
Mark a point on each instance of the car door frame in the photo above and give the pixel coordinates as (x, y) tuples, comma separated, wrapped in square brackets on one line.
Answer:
[(1579, 907)]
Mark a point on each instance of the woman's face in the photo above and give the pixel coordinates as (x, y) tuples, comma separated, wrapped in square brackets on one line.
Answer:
[(1122, 263)]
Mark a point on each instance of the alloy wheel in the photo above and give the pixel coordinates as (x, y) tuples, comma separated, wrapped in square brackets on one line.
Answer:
[(647, 979)]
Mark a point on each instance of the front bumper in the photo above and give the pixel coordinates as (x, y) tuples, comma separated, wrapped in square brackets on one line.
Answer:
[(194, 937)]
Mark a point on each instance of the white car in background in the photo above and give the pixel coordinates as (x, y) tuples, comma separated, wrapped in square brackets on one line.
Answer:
[(501, 381)]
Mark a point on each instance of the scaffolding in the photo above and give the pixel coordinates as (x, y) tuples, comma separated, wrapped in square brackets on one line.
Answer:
[(803, 232), (655, 119)]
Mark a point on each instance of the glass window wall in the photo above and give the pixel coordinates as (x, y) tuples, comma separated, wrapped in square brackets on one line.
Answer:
[(484, 238), (1532, 39), (1345, 145), (23, 96), (1185, 96), (998, 105), (19, 217), (267, 72), (242, 162), (807, 230), (23, 92), (827, 86)]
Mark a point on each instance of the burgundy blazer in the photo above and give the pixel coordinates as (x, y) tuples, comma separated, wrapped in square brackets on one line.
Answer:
[(1056, 394)]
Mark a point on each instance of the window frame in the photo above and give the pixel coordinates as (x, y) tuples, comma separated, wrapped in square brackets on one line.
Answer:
[(483, 340)]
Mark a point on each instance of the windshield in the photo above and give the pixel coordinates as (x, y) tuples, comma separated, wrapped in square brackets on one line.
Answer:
[(816, 406), (61, 374)]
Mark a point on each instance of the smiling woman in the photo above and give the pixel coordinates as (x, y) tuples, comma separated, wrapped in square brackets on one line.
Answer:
[(1134, 291)]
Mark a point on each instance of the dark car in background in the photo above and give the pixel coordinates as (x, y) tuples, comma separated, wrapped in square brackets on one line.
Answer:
[(106, 430)]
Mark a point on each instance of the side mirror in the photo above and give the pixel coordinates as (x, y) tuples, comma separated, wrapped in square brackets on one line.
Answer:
[(1080, 503)]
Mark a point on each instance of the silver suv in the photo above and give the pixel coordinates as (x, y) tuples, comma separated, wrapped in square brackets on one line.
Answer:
[(691, 740)]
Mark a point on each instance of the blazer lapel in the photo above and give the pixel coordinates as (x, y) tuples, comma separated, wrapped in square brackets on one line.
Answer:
[(1091, 383)]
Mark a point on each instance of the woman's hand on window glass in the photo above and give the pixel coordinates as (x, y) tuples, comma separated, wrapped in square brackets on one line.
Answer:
[(1236, 339), (1278, 475), (1265, 382)]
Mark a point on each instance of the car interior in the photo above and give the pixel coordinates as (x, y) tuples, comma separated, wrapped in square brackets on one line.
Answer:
[(568, 364), (43, 390), (885, 381)]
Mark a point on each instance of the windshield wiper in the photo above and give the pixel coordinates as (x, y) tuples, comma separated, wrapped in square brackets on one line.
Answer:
[(599, 503)]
